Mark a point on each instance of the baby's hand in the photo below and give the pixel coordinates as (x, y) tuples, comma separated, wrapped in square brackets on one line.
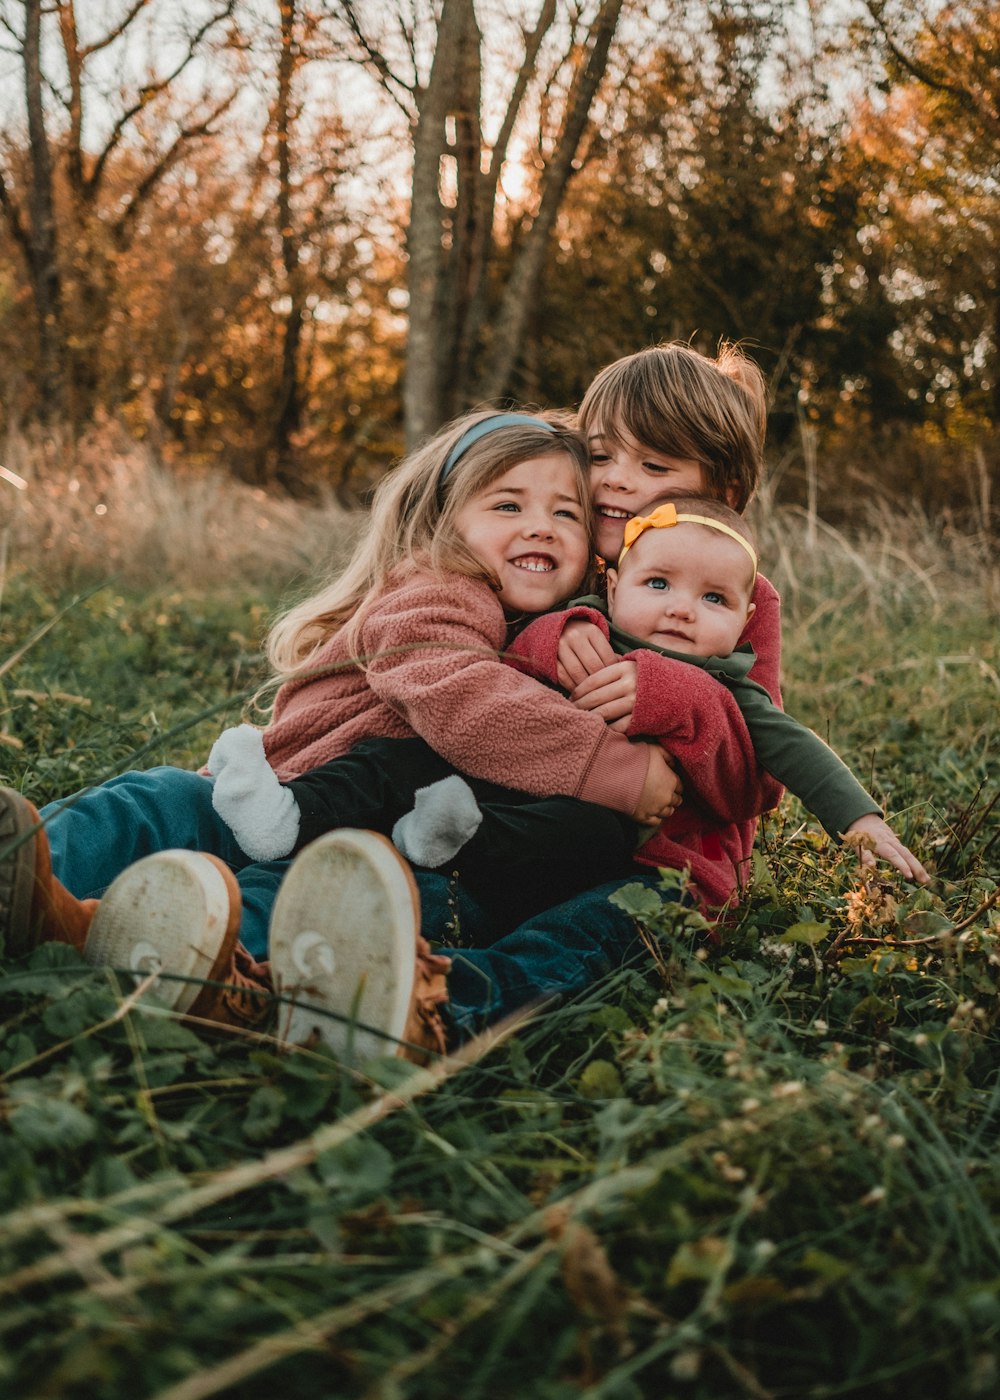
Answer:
[(609, 693), (887, 846), (661, 792), (583, 649)]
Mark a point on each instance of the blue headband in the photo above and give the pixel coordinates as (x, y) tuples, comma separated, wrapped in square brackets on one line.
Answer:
[(484, 426)]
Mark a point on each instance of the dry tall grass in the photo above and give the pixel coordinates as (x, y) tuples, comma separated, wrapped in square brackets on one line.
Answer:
[(107, 508)]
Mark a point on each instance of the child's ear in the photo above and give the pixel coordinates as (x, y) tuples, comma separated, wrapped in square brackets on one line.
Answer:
[(751, 609), (612, 580)]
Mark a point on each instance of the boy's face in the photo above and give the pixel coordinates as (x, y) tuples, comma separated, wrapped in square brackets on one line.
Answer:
[(686, 588), (626, 477)]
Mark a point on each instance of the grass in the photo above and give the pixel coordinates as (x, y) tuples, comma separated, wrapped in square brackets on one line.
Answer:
[(765, 1168)]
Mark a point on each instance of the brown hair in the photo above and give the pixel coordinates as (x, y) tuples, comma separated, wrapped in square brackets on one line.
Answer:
[(678, 401)]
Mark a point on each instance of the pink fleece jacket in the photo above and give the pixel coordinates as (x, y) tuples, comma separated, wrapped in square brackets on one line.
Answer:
[(698, 722), (427, 661)]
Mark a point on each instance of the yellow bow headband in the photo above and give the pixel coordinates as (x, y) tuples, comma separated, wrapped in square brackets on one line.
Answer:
[(663, 517)]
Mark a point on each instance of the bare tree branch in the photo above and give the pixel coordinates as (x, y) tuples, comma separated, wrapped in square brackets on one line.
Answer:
[(112, 34), (519, 292), (532, 44), (149, 91), (377, 63), (121, 226), (971, 94)]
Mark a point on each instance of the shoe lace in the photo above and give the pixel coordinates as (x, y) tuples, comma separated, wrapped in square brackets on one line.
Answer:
[(249, 991)]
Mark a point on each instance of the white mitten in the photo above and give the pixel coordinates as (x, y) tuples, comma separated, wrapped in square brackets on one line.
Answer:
[(262, 815), (445, 815)]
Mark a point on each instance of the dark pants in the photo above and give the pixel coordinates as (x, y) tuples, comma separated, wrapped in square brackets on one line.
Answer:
[(531, 851)]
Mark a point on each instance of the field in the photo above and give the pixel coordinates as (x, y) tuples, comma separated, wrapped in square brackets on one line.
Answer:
[(761, 1169)]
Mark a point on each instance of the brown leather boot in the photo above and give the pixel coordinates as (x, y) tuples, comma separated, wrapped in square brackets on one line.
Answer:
[(244, 1000), (425, 1034), (34, 907)]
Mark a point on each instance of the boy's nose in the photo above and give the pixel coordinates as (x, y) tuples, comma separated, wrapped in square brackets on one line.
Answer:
[(611, 474)]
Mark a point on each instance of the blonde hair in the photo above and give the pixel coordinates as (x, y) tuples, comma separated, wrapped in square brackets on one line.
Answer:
[(412, 525), (685, 404)]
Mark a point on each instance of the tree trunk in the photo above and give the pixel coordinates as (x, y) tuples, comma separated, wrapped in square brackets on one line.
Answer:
[(42, 247), (451, 250), (423, 388), (522, 285), (288, 408)]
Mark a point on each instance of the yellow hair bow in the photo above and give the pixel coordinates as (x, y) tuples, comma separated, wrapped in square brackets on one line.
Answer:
[(663, 517)]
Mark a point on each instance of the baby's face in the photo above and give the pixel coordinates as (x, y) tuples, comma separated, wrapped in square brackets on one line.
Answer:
[(625, 477), (686, 587)]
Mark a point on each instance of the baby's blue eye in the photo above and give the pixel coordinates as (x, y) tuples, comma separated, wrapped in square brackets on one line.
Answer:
[(660, 583), (714, 598)]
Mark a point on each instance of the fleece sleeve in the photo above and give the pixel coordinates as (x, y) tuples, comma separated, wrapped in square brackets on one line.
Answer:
[(535, 649), (693, 715), (432, 654), (698, 721)]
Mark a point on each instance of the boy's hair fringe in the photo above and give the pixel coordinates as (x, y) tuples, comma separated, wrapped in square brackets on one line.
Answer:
[(680, 402), (412, 525)]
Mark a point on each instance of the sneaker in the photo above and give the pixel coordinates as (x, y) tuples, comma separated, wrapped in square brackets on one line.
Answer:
[(178, 912), (345, 948), (34, 907)]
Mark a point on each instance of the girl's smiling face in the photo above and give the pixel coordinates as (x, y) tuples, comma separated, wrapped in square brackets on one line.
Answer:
[(529, 528), (625, 477)]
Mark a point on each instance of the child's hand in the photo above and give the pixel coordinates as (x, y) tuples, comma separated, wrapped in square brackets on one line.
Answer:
[(661, 792), (609, 693), (583, 649), (887, 846)]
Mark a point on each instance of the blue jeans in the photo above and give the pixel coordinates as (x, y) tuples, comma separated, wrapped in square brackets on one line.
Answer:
[(551, 953)]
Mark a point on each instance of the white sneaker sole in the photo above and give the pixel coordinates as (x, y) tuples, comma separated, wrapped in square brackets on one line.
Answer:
[(342, 944), (170, 912)]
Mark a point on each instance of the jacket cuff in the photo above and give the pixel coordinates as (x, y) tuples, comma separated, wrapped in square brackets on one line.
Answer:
[(616, 774)]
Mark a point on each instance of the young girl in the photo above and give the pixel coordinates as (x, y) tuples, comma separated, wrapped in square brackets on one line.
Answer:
[(484, 526)]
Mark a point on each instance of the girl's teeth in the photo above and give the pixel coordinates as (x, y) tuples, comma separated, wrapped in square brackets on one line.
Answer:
[(534, 566)]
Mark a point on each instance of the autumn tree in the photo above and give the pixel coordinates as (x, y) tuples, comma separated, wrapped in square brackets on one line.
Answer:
[(72, 203), (940, 124), (712, 207), (465, 331)]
